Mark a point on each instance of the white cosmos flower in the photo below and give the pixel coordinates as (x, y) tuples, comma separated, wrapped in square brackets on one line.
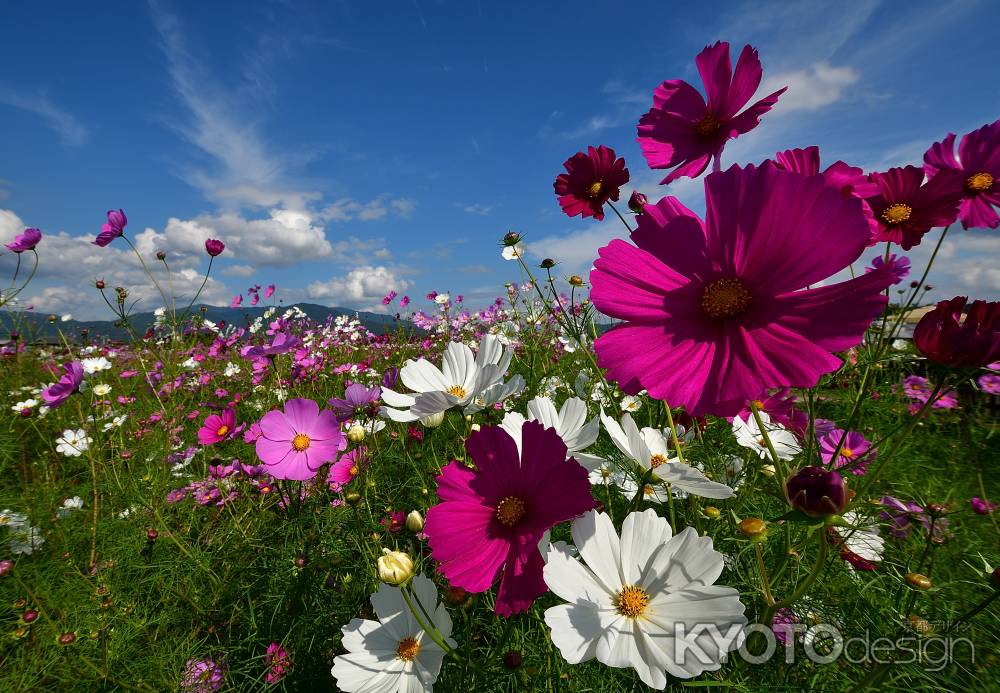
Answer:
[(464, 380), (394, 654), (95, 365), (631, 403), (25, 540), (231, 370), (69, 505), (786, 445), (26, 404), (73, 443), (102, 390), (570, 423), (863, 540), (646, 601), (441, 299), (650, 449), (513, 252)]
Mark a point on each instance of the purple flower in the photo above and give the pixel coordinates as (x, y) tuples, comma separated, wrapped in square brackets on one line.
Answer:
[(903, 517), (990, 383), (269, 291), (388, 298), (405, 301), (25, 241), (56, 395), (981, 507), (899, 267), (203, 675), (853, 453), (281, 343), (237, 300), (358, 401), (782, 624), (112, 228), (390, 378), (214, 247)]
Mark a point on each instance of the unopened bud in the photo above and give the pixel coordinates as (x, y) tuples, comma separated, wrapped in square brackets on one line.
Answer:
[(356, 433), (576, 280), (160, 255), (712, 512), (414, 521), (353, 498), (637, 202), (433, 420), (395, 567), (547, 263), (919, 581), (511, 238), (753, 527)]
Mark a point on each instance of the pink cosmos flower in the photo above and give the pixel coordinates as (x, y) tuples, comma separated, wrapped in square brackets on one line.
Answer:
[(781, 408), (112, 228), (590, 180), (214, 247), (387, 299), (906, 208), (296, 442), (981, 507), (217, 427), (853, 453), (405, 301), (683, 131), (349, 465), (489, 522), (943, 336), (978, 164), (269, 291), (25, 241), (900, 266), (56, 395), (919, 389), (989, 383), (237, 300), (713, 313), (278, 662)]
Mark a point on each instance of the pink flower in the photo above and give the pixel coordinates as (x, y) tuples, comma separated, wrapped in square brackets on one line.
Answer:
[(490, 521), (56, 395), (269, 291), (25, 241), (112, 228), (278, 661), (979, 152), (900, 266), (853, 453), (781, 408), (683, 131), (713, 313), (394, 521), (989, 383), (943, 336), (214, 247), (237, 300), (217, 427), (405, 301), (388, 298), (590, 180), (981, 507), (349, 465), (906, 208), (296, 442)]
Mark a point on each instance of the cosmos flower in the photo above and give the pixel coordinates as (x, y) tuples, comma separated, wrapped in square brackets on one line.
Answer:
[(269, 291), (944, 337), (906, 208), (25, 241), (237, 300), (780, 408), (978, 164), (683, 131), (73, 443), (570, 423), (989, 383), (214, 247), (817, 492), (394, 654), (646, 600), (861, 545), (56, 395), (749, 435), (112, 228), (278, 661), (296, 442), (203, 675), (218, 427), (490, 521), (358, 402), (854, 452), (713, 312), (980, 506), (900, 266), (590, 180), (388, 298), (281, 343)]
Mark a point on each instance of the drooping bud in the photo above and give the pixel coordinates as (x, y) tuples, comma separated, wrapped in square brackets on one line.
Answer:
[(511, 238), (637, 202), (817, 492)]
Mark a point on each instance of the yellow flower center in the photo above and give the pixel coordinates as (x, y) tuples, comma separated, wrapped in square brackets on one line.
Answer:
[(897, 213), (223, 430), (979, 182), (631, 601), (707, 125), (407, 649), (457, 391), (656, 460), (594, 189), (300, 442), (846, 452), (353, 471), (758, 405), (725, 298), (510, 510), (647, 490)]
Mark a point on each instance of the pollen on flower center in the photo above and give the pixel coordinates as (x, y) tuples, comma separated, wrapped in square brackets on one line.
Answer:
[(725, 298), (458, 391), (594, 189), (656, 460), (846, 452), (300, 442), (223, 430), (631, 601), (979, 182), (407, 649), (897, 213), (707, 125), (353, 471), (510, 510)]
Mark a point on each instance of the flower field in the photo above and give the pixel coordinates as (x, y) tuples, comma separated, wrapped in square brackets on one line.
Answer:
[(716, 462)]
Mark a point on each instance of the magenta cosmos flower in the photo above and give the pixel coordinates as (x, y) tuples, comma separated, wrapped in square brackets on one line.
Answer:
[(214, 247), (72, 377), (713, 313), (217, 427), (853, 453), (978, 164), (490, 521), (683, 131), (113, 227), (25, 241), (944, 337), (906, 208), (296, 442), (590, 180)]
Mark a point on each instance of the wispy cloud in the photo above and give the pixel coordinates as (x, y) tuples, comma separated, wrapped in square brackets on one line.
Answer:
[(69, 129), (809, 89), (476, 208), (348, 209)]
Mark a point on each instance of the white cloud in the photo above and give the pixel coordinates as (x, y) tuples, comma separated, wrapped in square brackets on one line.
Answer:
[(362, 287), (238, 270), (10, 226), (476, 208), (348, 209), (69, 129), (809, 89)]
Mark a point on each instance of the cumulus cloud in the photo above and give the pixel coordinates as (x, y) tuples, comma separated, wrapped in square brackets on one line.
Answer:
[(809, 89), (362, 287)]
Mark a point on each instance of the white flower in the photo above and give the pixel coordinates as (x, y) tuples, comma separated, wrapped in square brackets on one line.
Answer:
[(116, 422), (513, 252), (646, 601), (95, 365), (231, 370), (66, 317), (69, 505), (650, 449), (441, 299), (631, 403), (73, 443), (102, 390), (900, 344), (190, 363), (464, 380), (862, 540), (26, 404), (394, 654), (786, 445), (11, 519), (570, 423), (25, 540)]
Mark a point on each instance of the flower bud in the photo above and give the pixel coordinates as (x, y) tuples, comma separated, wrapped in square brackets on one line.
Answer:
[(395, 567), (353, 498), (99, 284), (919, 581), (712, 512), (754, 528), (576, 280), (637, 202), (920, 625), (356, 433), (214, 247), (547, 263), (512, 659), (152, 535), (995, 577), (160, 255), (511, 238), (768, 470), (67, 638), (414, 521), (817, 492), (29, 616), (433, 421), (6, 565)]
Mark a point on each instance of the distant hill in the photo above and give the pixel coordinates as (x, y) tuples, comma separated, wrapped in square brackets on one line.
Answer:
[(38, 327)]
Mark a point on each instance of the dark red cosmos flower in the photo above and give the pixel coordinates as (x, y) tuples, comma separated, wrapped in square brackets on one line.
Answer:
[(590, 180), (214, 247), (979, 166), (906, 208), (942, 337), (683, 131)]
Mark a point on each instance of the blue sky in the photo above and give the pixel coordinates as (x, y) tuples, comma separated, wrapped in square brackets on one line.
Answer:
[(341, 149)]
